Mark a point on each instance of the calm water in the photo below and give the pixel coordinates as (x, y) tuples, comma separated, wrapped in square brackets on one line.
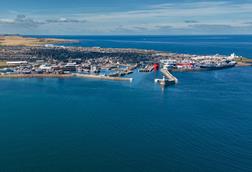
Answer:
[(202, 124), (206, 45)]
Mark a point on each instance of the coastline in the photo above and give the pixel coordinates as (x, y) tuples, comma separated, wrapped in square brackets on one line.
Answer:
[(16, 76), (30, 41), (244, 64), (36, 76), (52, 61)]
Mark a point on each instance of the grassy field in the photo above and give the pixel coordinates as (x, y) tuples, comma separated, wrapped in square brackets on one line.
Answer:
[(244, 60), (3, 64), (26, 41)]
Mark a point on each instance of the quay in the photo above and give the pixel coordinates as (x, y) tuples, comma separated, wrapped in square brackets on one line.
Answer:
[(36, 76), (165, 81), (103, 77), (65, 76), (168, 75)]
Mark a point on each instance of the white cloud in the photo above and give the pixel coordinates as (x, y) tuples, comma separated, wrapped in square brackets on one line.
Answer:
[(196, 9), (65, 20), (7, 21), (21, 21), (211, 17)]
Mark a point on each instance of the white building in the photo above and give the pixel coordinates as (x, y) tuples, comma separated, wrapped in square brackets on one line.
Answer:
[(45, 67), (16, 62)]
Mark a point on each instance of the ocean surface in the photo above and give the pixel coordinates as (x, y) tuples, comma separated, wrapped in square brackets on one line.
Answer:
[(202, 124), (204, 45)]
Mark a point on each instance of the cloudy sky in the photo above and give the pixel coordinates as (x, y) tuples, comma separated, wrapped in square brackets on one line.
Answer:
[(130, 17)]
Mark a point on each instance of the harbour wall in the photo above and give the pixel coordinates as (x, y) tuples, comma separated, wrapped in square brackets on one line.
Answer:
[(65, 76), (168, 75)]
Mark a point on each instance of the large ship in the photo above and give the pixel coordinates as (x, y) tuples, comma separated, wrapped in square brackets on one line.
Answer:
[(220, 65)]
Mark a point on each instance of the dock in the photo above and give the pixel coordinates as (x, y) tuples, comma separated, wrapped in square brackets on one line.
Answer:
[(169, 76), (165, 81), (36, 76), (65, 76), (103, 77)]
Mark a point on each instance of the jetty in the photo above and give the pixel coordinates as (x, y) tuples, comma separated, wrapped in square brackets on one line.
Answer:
[(165, 81), (169, 76), (102, 77), (36, 75), (65, 76)]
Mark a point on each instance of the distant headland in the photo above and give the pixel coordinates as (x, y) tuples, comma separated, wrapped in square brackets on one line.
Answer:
[(17, 40)]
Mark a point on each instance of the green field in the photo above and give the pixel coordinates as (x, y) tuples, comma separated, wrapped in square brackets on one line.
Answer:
[(3, 64), (244, 60)]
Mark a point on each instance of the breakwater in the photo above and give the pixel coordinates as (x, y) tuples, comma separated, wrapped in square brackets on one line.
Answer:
[(65, 76), (36, 76), (168, 75), (103, 77)]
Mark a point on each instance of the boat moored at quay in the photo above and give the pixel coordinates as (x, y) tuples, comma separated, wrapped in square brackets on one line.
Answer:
[(215, 66)]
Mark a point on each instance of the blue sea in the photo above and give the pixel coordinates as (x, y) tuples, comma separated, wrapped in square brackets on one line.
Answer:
[(202, 124)]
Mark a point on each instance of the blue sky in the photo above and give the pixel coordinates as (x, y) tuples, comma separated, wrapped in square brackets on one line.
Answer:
[(129, 17)]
